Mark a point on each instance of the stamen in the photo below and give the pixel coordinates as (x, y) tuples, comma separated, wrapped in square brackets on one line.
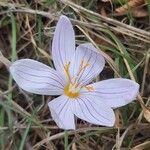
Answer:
[(89, 88), (66, 68), (74, 83), (82, 68), (73, 88)]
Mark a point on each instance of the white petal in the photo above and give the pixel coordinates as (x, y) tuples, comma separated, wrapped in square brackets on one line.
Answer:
[(35, 77), (92, 110), (61, 112), (115, 92), (63, 46), (86, 55)]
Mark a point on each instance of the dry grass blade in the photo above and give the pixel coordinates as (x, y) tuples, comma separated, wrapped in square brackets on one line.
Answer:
[(145, 71), (19, 8), (143, 146), (61, 135), (125, 27), (119, 140), (4, 60)]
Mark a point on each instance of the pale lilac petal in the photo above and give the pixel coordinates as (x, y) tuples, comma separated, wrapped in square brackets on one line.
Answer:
[(61, 112), (35, 77), (86, 57), (63, 46), (115, 92), (94, 111)]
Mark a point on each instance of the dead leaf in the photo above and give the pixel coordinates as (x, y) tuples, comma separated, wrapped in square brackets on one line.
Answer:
[(139, 12), (130, 4), (136, 12)]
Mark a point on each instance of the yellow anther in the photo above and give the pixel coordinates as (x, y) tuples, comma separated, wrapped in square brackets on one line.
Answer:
[(89, 88)]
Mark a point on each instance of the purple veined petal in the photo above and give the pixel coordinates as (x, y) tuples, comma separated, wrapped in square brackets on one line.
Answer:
[(94, 111), (115, 92), (63, 46), (35, 77), (87, 63), (61, 112)]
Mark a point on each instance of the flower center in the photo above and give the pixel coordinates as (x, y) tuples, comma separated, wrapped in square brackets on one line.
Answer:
[(71, 90)]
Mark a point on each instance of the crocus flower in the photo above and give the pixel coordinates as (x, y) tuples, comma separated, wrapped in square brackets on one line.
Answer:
[(75, 70)]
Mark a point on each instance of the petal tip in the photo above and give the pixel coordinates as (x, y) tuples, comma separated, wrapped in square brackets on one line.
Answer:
[(64, 18), (135, 88)]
